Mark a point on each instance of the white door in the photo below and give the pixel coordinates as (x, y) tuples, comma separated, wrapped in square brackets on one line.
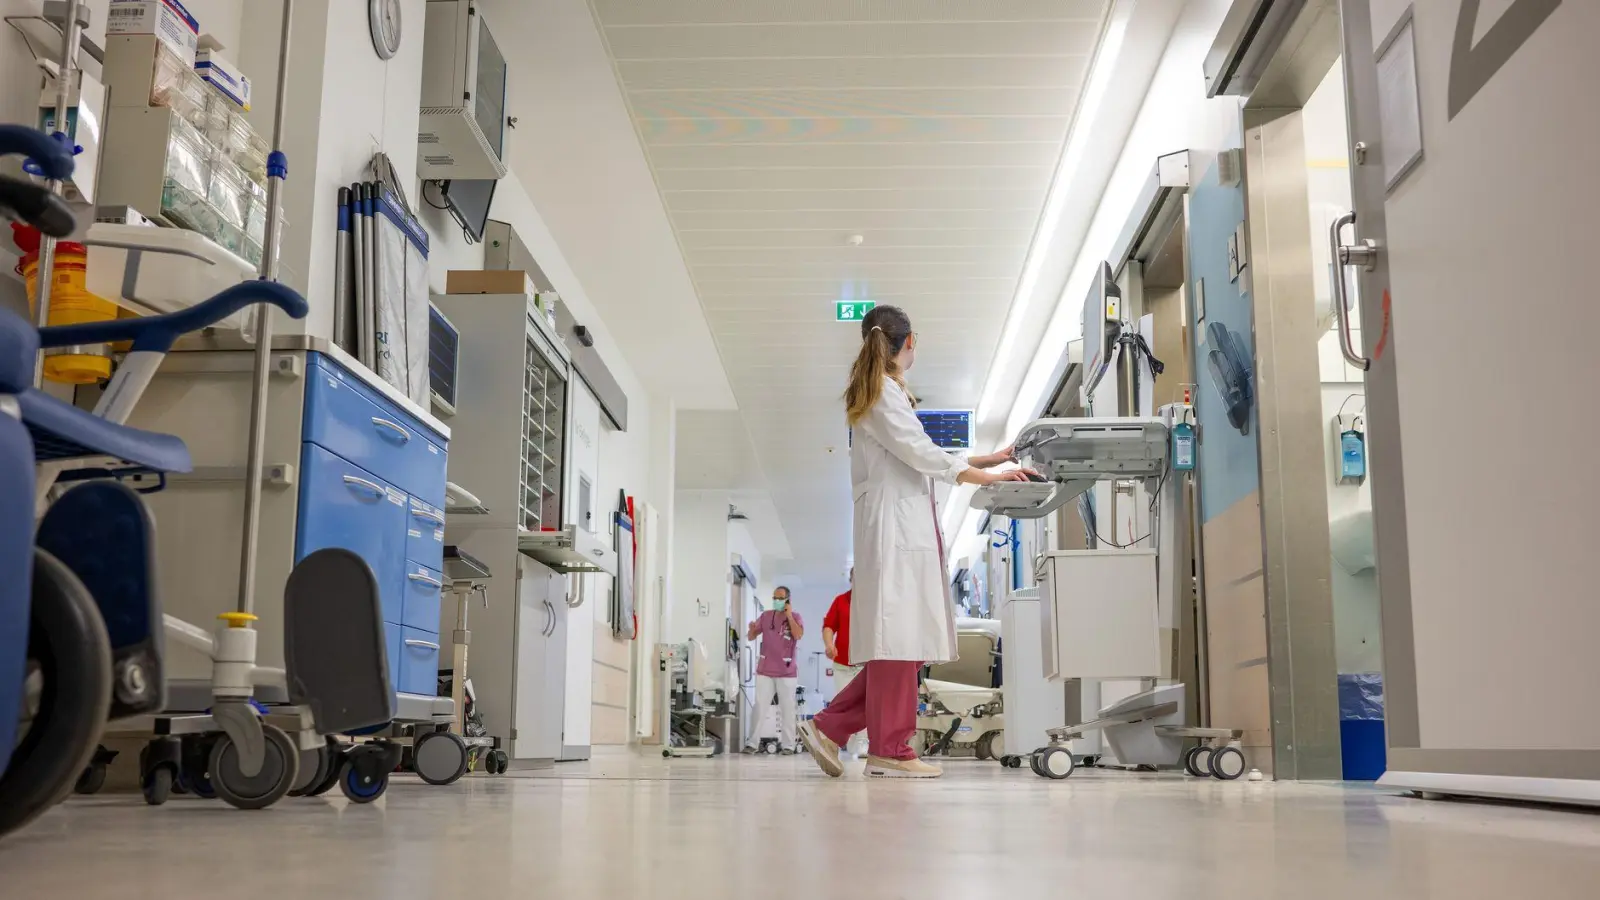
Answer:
[(586, 509), (536, 725), (1478, 188)]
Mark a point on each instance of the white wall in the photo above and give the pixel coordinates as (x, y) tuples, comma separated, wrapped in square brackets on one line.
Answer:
[(700, 570)]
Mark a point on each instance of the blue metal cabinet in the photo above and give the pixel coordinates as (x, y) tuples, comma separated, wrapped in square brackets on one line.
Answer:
[(419, 662), (425, 535), (373, 482), (344, 505), (421, 607), (354, 421)]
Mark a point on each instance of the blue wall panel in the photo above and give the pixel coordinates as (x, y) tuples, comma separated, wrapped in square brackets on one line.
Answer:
[(1228, 461)]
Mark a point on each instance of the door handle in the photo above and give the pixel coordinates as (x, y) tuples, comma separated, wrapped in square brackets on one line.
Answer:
[(420, 578), (426, 645), (405, 436), (1363, 253), (427, 516), (550, 627), (353, 481)]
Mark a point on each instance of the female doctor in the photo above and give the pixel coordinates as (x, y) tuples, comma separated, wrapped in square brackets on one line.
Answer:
[(901, 616)]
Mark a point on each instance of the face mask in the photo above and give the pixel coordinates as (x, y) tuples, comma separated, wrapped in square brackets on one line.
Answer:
[(778, 604)]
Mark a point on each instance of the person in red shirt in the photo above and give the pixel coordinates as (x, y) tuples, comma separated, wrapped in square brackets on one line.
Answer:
[(836, 643)]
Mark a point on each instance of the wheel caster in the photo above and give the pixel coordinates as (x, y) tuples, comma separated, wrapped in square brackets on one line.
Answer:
[(1033, 761), (1227, 764), (666, 754), (1197, 762), (439, 757), (157, 785), (1054, 763), (314, 765), (360, 788), (330, 775), (279, 767), (94, 776), (1188, 763), (502, 762)]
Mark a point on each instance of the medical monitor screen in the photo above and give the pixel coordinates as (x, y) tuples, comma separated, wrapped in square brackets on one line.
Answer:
[(951, 429)]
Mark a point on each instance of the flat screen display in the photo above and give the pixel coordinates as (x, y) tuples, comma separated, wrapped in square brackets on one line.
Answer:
[(951, 429)]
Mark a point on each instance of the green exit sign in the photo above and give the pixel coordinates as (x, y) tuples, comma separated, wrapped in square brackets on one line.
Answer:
[(852, 310)]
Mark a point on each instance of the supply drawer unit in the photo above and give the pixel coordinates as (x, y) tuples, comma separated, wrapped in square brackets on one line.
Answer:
[(350, 462), (372, 481)]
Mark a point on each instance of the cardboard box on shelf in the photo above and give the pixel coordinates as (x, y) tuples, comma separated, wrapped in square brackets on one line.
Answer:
[(222, 74), (166, 19), (488, 281)]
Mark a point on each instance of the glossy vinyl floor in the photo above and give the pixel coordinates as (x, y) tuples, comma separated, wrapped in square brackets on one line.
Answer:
[(634, 825)]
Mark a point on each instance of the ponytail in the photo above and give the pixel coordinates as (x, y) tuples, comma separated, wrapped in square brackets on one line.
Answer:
[(884, 331)]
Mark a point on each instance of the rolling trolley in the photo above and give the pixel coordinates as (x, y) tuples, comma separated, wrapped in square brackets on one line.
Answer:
[(1144, 730), (335, 677)]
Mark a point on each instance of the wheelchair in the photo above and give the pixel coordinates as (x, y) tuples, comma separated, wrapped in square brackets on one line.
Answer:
[(81, 624)]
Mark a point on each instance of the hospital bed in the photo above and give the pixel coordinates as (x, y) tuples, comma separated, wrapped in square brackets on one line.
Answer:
[(1100, 608), (961, 708)]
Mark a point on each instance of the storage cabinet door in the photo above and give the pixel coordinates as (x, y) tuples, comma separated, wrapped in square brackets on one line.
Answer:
[(535, 620), (343, 505)]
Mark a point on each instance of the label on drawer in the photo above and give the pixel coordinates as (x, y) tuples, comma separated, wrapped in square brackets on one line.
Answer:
[(434, 450), (398, 498), (413, 533), (438, 534)]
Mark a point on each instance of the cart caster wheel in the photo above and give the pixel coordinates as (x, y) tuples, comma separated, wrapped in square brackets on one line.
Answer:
[(92, 779), (1055, 763), (157, 786), (771, 750), (279, 767), (1011, 762), (1227, 764), (1189, 767), (1198, 762), (502, 762), (440, 757), (360, 788), (985, 748), (666, 754), (314, 765), (1033, 761), (330, 776)]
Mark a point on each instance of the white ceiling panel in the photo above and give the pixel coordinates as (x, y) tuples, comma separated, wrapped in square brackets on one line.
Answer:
[(866, 222), (707, 242), (888, 155), (617, 14), (869, 130), (834, 73), (777, 130), (860, 102), (795, 178)]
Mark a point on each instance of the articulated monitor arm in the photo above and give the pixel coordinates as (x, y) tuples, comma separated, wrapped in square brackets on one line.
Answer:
[(1073, 454)]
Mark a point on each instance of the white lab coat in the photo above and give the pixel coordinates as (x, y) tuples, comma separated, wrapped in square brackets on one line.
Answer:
[(900, 607)]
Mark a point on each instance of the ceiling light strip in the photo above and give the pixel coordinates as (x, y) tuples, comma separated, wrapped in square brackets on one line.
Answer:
[(1078, 138)]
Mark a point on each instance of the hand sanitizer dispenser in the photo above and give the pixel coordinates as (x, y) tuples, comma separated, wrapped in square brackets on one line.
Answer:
[(1351, 433)]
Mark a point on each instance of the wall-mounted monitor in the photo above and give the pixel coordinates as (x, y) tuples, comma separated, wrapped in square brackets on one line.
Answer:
[(951, 429)]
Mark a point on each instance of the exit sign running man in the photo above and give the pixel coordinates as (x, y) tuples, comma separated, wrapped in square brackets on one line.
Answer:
[(852, 310)]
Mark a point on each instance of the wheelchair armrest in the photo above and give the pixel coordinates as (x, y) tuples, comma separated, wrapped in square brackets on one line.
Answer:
[(53, 157), (158, 333)]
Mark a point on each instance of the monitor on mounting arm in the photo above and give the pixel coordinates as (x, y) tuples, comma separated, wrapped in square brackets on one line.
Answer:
[(1102, 325)]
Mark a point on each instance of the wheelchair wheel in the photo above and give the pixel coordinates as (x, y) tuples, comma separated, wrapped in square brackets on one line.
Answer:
[(67, 688)]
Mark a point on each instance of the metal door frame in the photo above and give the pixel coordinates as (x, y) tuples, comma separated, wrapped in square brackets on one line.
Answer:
[(1287, 62)]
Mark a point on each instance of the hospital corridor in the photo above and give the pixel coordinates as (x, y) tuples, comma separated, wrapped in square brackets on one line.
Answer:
[(798, 448)]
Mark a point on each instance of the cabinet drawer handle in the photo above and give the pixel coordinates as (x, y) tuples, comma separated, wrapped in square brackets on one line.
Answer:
[(423, 579), (426, 645), (426, 516), (405, 436), (376, 489)]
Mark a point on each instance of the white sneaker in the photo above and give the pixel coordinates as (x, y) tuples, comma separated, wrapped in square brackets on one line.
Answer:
[(823, 750), (879, 767)]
